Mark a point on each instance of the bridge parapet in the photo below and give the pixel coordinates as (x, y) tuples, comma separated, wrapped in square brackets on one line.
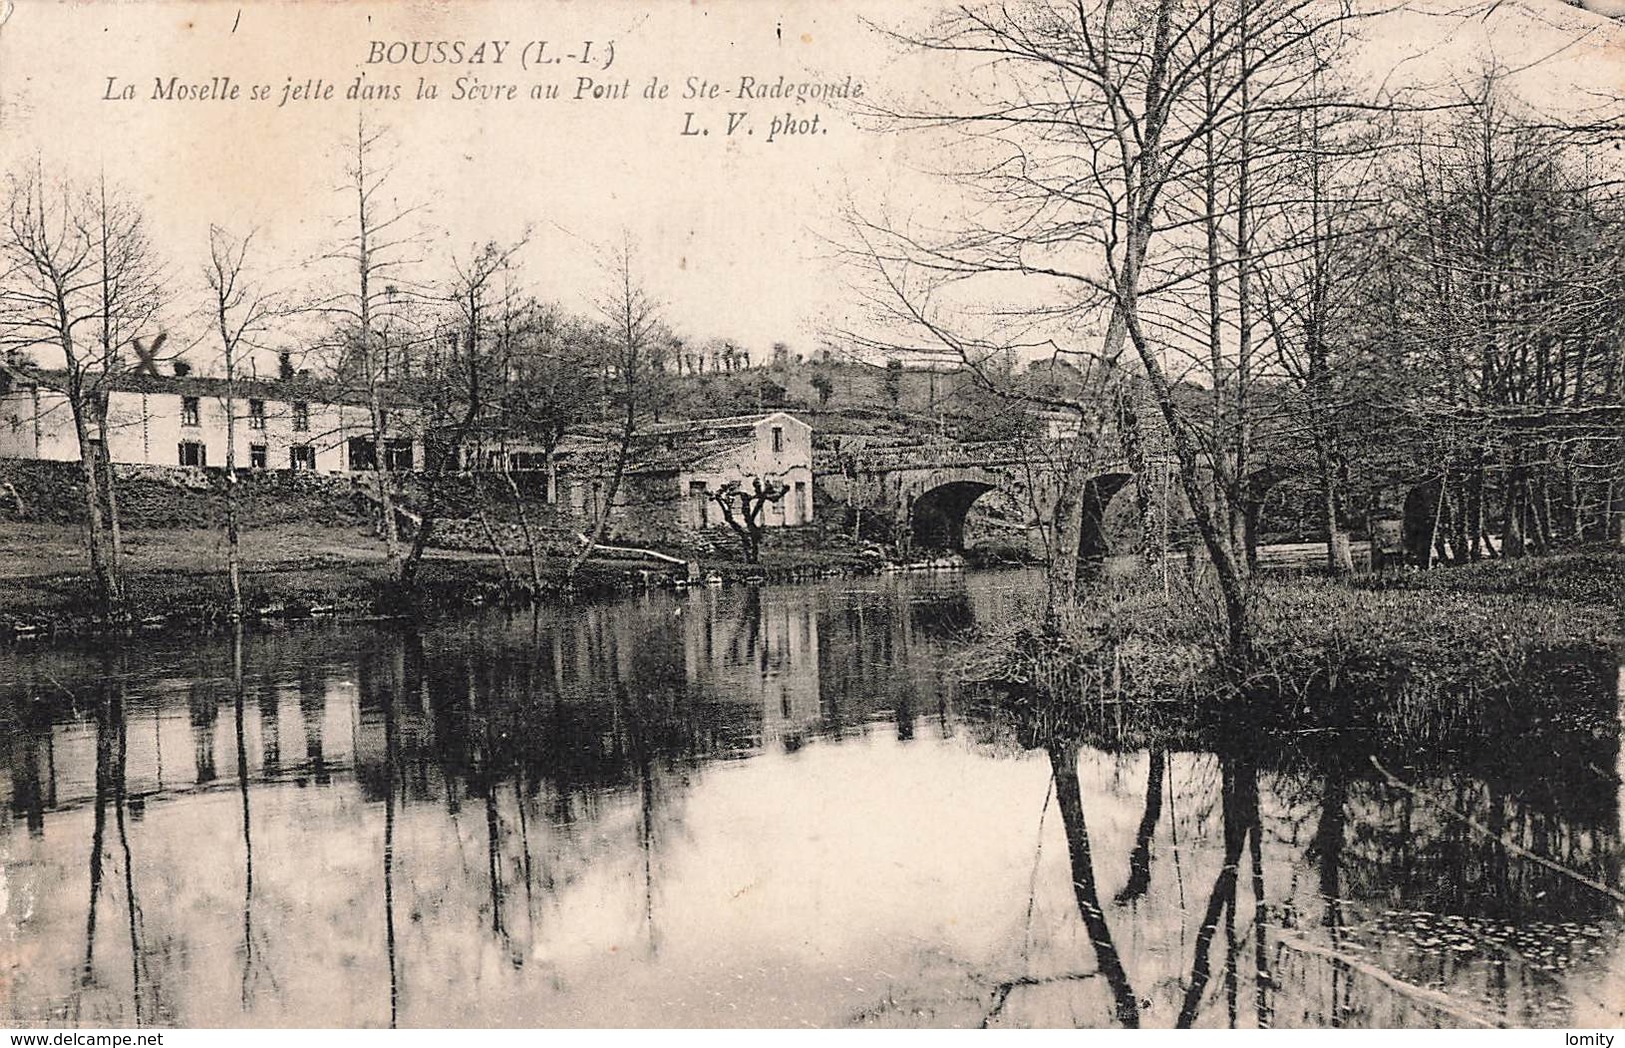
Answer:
[(953, 455)]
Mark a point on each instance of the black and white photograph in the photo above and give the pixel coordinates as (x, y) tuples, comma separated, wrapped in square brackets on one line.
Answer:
[(839, 514)]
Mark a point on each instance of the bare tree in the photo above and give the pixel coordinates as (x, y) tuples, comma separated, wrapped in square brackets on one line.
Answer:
[(1094, 136), (743, 508), (382, 249), (462, 399), (632, 329), (129, 281), (81, 278), (242, 312)]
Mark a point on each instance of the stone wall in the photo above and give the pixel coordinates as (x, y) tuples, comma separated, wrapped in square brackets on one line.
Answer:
[(177, 497)]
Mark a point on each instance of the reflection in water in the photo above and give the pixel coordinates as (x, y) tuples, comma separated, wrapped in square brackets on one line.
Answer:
[(1139, 863), (1064, 766), (757, 807), (239, 698)]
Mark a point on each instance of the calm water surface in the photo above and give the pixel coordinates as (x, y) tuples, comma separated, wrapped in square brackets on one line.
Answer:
[(742, 807)]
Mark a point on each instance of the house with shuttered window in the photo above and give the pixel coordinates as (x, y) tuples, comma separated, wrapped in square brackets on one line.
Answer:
[(297, 423)]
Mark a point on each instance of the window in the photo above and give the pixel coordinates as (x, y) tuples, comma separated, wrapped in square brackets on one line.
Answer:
[(191, 411), (256, 456), (398, 455), (362, 453), (301, 416), (778, 439), (192, 453), (256, 414), (525, 461), (302, 456)]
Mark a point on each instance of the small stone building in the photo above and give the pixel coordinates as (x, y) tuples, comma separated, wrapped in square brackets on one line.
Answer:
[(673, 469)]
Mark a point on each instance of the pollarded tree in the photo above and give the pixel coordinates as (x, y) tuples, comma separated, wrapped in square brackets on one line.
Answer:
[(744, 508)]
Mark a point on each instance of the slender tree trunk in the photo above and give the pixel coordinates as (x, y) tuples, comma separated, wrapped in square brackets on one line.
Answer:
[(529, 533), (234, 557), (1339, 560), (1062, 577), (1475, 510), (1614, 505), (1244, 320), (601, 517), (1512, 537), (389, 529), (1232, 576), (114, 528), (490, 532), (109, 586), (1069, 798)]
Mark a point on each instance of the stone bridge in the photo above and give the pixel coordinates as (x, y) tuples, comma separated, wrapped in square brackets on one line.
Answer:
[(920, 494)]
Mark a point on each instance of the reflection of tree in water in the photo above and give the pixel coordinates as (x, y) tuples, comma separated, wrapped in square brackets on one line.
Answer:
[(270, 726), (1139, 863), (883, 651), (107, 715), (1069, 798), (941, 616), (250, 952), (488, 721), (111, 790), (1241, 821), (600, 720), (1446, 847)]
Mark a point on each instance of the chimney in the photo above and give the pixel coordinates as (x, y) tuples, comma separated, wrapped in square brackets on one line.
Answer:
[(284, 365), (182, 368)]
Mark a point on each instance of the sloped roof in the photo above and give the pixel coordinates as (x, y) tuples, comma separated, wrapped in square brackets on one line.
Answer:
[(302, 387), (724, 423)]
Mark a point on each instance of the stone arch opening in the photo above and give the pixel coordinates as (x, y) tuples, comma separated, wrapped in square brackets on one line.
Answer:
[(1255, 495), (937, 516), (1093, 541)]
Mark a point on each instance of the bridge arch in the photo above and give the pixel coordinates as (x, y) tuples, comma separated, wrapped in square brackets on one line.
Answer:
[(937, 502), (1093, 543)]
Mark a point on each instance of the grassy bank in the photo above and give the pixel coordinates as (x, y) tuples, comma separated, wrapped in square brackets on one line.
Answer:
[(1454, 657), (175, 577)]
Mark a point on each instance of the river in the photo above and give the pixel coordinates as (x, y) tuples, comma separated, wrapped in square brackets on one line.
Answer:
[(747, 807)]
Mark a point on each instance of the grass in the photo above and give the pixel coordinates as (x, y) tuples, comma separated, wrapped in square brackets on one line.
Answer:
[(1451, 657), (177, 576)]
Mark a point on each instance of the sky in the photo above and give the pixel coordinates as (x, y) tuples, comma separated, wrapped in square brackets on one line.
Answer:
[(735, 234)]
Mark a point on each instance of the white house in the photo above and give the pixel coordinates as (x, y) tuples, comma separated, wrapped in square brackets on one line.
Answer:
[(164, 420)]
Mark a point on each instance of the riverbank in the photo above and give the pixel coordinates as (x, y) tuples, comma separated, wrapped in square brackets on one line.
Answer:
[(175, 577), (1424, 661)]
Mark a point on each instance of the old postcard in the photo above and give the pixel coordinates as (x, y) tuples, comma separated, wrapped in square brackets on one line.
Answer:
[(1103, 513)]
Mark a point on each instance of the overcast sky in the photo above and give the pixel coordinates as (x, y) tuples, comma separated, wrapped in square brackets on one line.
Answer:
[(732, 228)]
